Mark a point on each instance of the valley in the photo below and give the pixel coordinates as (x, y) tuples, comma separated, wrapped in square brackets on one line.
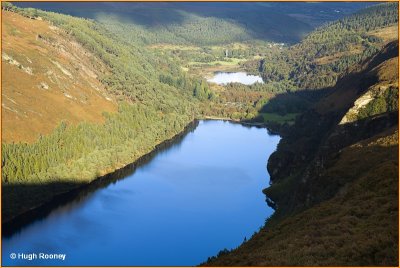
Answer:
[(89, 89)]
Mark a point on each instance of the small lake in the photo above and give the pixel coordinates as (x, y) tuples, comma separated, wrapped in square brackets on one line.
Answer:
[(185, 203), (222, 78)]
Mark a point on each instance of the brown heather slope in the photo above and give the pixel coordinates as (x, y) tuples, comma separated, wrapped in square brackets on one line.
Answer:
[(357, 227), (387, 34), (335, 182), (46, 78), (378, 72)]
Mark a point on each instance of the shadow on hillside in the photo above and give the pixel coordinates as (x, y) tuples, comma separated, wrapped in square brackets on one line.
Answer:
[(295, 102), (288, 104), (254, 17), (18, 199), (310, 150), (348, 88), (282, 28), (355, 196)]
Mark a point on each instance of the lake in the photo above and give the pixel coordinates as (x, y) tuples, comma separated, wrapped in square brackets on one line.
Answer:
[(222, 78), (185, 203)]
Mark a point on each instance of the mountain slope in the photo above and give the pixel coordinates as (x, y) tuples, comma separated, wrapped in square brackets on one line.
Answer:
[(357, 227), (326, 53), (208, 23), (311, 146), (178, 23), (334, 185), (47, 79), (68, 60)]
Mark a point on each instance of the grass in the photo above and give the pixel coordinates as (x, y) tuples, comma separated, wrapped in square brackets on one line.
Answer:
[(236, 45), (387, 34), (355, 49), (208, 69), (226, 62), (281, 119), (216, 49), (34, 109), (164, 46)]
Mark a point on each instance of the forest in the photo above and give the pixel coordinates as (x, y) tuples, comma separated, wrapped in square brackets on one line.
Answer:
[(347, 42), (208, 23)]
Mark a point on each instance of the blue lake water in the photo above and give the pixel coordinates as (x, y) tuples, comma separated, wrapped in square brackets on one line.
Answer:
[(222, 78), (200, 195)]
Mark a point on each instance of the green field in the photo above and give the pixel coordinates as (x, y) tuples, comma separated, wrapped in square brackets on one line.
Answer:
[(281, 119), (225, 62)]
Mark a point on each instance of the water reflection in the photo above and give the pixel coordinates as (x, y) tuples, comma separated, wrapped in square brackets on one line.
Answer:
[(184, 203), (73, 199), (222, 78)]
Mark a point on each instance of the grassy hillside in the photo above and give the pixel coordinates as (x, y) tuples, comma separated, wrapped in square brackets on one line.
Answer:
[(46, 79), (334, 183)]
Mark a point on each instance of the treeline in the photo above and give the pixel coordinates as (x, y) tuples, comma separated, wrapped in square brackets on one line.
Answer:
[(209, 54), (237, 101), (206, 27), (84, 151), (136, 76), (75, 155), (189, 56), (324, 55), (387, 101), (191, 29)]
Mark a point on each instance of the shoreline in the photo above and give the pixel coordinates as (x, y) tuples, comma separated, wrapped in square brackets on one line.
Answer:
[(39, 212), (274, 129), (44, 208), (255, 124), (28, 215)]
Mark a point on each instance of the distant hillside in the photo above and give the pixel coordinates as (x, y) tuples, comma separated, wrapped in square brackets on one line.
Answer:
[(209, 23), (326, 53), (335, 179)]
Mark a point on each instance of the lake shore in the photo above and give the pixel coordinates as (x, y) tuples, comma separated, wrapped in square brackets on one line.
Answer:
[(24, 217), (216, 159), (273, 128), (42, 209)]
